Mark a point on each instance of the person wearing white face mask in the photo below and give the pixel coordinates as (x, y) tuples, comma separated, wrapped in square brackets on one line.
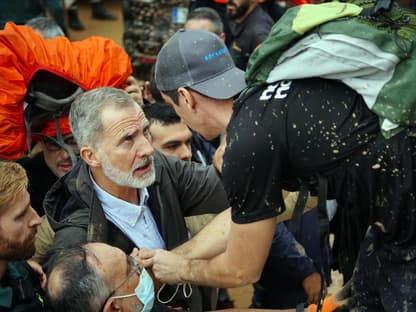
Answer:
[(114, 281)]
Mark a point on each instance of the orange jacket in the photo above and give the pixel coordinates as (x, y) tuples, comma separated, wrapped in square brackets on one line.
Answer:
[(90, 63)]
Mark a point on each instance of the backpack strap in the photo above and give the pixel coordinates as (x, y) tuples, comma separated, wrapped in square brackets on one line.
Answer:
[(323, 230), (294, 223), (322, 190), (61, 142)]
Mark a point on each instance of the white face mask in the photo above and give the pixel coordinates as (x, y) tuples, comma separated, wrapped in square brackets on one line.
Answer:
[(144, 291)]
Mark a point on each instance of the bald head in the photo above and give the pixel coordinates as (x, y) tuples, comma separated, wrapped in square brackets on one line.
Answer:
[(74, 283)]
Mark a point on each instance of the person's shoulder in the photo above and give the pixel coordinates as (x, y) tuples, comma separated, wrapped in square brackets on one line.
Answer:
[(262, 17)]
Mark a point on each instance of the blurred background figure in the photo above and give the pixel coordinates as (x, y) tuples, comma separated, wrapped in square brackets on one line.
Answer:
[(207, 19), (46, 27), (249, 25), (98, 11), (21, 11), (220, 6)]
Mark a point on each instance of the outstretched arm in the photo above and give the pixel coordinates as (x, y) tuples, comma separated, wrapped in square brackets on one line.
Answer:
[(240, 264), (210, 241)]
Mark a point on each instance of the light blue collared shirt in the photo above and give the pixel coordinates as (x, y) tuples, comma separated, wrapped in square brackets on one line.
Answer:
[(135, 221)]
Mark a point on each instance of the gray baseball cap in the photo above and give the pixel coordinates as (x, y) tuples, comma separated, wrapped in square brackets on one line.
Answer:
[(198, 59)]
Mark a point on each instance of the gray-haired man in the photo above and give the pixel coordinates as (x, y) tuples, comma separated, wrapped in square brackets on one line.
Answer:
[(123, 192)]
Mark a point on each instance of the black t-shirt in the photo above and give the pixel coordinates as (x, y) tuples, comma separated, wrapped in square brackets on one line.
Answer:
[(294, 129)]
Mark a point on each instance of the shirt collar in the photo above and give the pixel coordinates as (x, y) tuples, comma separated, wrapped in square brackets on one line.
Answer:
[(143, 192)]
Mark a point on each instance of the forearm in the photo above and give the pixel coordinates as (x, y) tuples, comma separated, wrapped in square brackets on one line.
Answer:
[(240, 264), (210, 241)]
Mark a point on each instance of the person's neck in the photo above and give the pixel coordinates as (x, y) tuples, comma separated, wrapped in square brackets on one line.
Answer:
[(242, 18), (3, 269), (126, 193), (218, 114)]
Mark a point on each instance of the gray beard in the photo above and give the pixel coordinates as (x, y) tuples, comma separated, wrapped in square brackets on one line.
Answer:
[(126, 178)]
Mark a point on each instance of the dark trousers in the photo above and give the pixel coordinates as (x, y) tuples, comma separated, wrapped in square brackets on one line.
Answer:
[(380, 282)]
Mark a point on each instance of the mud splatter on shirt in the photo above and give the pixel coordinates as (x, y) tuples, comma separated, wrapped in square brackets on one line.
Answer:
[(281, 133)]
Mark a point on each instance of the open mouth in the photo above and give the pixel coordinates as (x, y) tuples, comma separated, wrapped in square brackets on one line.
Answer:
[(143, 169), (65, 166)]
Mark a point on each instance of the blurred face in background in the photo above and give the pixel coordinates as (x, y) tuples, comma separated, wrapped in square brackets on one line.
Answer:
[(174, 139), (57, 159), (237, 8)]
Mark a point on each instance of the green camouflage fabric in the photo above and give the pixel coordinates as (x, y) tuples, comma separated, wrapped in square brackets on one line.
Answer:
[(393, 31)]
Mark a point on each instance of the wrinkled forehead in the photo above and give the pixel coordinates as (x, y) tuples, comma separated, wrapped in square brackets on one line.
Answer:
[(116, 119)]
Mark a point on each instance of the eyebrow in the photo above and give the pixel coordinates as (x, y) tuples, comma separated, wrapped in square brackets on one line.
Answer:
[(126, 134), (172, 142)]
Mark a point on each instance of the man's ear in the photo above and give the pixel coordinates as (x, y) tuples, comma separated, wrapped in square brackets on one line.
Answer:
[(90, 156), (187, 98), (111, 306)]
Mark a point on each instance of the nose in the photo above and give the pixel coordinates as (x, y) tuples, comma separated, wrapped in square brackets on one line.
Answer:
[(144, 148), (35, 219), (185, 152), (64, 153)]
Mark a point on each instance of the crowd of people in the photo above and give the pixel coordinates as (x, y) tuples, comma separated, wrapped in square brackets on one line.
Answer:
[(120, 195)]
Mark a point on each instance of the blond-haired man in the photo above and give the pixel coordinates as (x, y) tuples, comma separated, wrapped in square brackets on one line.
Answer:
[(21, 282)]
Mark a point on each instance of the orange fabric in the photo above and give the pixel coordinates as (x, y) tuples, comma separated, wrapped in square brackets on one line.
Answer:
[(328, 306), (90, 63), (299, 2), (50, 130)]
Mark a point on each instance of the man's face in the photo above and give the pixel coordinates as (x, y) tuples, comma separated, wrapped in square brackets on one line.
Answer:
[(237, 8), (174, 139), (196, 120), (56, 158), (114, 265), (124, 148), (18, 225)]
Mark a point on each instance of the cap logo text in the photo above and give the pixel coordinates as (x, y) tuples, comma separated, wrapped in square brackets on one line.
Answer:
[(215, 54)]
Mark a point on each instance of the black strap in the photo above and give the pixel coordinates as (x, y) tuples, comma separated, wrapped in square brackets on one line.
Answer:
[(61, 142), (294, 224), (379, 7), (324, 232)]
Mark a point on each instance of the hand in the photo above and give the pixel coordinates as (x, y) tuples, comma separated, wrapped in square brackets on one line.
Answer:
[(166, 265), (217, 159), (134, 89), (312, 286), (38, 270)]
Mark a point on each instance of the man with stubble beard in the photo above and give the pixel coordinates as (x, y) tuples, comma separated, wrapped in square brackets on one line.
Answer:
[(249, 25), (20, 281)]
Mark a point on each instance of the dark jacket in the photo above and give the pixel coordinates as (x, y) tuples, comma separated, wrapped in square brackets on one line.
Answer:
[(288, 264), (41, 179), (22, 290), (181, 189), (247, 35)]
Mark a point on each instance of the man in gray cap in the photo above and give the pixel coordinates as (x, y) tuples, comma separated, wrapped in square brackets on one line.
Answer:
[(198, 77), (308, 134)]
